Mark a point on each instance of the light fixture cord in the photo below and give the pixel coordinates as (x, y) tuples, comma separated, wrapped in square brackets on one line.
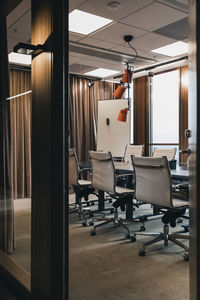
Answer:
[(136, 54)]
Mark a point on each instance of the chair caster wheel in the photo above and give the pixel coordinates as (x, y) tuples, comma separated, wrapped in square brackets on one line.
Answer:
[(92, 203), (91, 215), (92, 232), (112, 210), (180, 220), (142, 228), (91, 223), (84, 224), (141, 252), (186, 257), (186, 229), (127, 236), (132, 239)]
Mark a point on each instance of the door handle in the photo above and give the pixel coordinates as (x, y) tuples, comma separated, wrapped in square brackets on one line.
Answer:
[(187, 151), (188, 133)]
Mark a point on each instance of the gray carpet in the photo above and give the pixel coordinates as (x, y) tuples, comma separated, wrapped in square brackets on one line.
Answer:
[(107, 266)]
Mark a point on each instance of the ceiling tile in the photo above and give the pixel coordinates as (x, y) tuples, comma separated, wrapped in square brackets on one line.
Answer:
[(100, 8), (152, 41), (27, 17), (127, 50), (18, 12), (154, 16), (97, 43), (81, 69), (20, 31), (115, 32), (73, 59), (182, 5), (75, 37), (177, 30), (11, 44), (73, 4), (94, 63)]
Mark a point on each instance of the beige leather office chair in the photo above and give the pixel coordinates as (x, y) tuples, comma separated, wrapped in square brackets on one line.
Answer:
[(104, 179), (82, 188), (168, 152), (135, 150), (154, 186)]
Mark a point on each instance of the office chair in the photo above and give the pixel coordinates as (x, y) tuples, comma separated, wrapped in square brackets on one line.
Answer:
[(154, 186), (104, 179), (135, 150), (168, 152), (82, 188), (125, 179)]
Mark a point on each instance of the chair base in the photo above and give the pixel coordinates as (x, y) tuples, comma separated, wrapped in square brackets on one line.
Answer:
[(163, 236), (117, 222)]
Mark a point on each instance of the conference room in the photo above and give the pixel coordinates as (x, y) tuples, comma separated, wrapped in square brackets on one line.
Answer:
[(127, 158)]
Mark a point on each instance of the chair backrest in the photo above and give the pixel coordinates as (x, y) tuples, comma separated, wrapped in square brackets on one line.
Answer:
[(73, 167), (153, 180), (168, 152), (136, 150), (103, 171)]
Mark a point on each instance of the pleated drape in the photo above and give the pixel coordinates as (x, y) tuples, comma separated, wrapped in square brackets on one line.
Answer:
[(83, 112), (20, 107)]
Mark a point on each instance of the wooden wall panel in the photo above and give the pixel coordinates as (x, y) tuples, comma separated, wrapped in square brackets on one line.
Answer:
[(141, 112)]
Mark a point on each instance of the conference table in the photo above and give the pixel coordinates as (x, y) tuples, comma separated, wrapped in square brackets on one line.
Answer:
[(180, 173)]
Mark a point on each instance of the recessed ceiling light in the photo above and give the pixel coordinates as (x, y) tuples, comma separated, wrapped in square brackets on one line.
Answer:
[(20, 59), (173, 49), (85, 23), (101, 72)]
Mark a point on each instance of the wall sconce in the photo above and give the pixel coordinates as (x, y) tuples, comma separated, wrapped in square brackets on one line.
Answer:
[(29, 49)]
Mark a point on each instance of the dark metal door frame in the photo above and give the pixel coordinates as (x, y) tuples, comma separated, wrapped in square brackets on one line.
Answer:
[(194, 144), (49, 226)]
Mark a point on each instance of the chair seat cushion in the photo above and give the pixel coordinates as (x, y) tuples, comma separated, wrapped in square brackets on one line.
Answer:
[(122, 190), (84, 182), (179, 203)]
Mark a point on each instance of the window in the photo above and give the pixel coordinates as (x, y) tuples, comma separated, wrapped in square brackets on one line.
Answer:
[(164, 111)]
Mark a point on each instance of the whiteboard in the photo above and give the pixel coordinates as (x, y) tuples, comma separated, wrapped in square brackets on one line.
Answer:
[(115, 136)]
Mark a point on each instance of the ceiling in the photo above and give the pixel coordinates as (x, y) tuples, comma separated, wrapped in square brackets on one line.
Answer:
[(152, 23)]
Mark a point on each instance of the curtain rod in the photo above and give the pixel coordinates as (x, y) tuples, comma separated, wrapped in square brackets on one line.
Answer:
[(19, 95), (85, 77)]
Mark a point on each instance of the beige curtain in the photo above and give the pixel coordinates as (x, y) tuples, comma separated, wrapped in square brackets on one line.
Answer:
[(20, 107), (83, 112)]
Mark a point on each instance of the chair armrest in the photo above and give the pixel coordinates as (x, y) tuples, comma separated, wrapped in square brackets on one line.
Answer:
[(85, 169), (123, 175)]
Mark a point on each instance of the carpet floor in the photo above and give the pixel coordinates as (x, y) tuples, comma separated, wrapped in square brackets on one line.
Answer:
[(107, 266)]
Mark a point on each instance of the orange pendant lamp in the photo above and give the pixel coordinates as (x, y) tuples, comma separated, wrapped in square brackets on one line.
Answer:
[(128, 76), (123, 114), (119, 92)]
